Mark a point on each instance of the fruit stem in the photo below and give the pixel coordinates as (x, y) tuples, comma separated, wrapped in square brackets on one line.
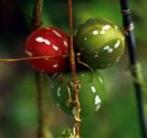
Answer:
[(137, 75), (37, 13), (39, 88), (36, 22), (76, 101), (25, 58)]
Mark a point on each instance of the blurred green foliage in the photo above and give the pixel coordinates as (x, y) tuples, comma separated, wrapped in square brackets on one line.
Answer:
[(18, 112)]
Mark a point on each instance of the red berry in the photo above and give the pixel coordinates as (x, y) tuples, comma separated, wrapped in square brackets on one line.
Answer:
[(51, 42)]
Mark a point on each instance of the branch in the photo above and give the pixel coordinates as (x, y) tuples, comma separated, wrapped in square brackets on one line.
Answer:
[(37, 13), (135, 69), (36, 22), (76, 101)]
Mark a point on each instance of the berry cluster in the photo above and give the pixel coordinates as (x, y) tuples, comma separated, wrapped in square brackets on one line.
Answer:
[(98, 43)]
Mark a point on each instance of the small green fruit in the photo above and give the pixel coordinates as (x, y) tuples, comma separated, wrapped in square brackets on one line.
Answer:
[(100, 43), (90, 92)]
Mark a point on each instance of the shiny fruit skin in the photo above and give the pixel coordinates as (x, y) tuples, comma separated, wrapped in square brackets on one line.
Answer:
[(91, 92), (48, 41), (100, 43)]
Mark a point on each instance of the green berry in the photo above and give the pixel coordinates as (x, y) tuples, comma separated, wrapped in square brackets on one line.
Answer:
[(91, 92), (100, 43)]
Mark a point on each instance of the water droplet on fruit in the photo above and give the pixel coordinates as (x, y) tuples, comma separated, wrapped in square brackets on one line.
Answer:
[(65, 43), (95, 32), (55, 47), (93, 89), (58, 91), (107, 47), (106, 27), (56, 33), (97, 108), (55, 65), (117, 44), (102, 32), (110, 50), (40, 39), (100, 79), (97, 100)]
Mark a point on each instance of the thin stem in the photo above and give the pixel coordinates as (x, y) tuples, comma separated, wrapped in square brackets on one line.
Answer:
[(26, 58), (39, 87), (129, 26), (37, 13), (76, 108), (36, 22)]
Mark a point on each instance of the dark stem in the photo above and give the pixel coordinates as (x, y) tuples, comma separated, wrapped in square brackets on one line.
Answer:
[(76, 101), (129, 26), (39, 86), (36, 22), (37, 13)]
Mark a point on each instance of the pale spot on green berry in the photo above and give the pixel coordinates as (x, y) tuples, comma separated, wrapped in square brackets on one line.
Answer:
[(117, 44), (100, 79), (97, 108), (116, 27), (106, 27), (58, 91), (110, 50), (95, 32), (106, 47), (97, 102), (102, 32), (93, 89)]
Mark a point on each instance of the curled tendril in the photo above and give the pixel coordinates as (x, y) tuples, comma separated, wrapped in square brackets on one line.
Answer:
[(83, 63)]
